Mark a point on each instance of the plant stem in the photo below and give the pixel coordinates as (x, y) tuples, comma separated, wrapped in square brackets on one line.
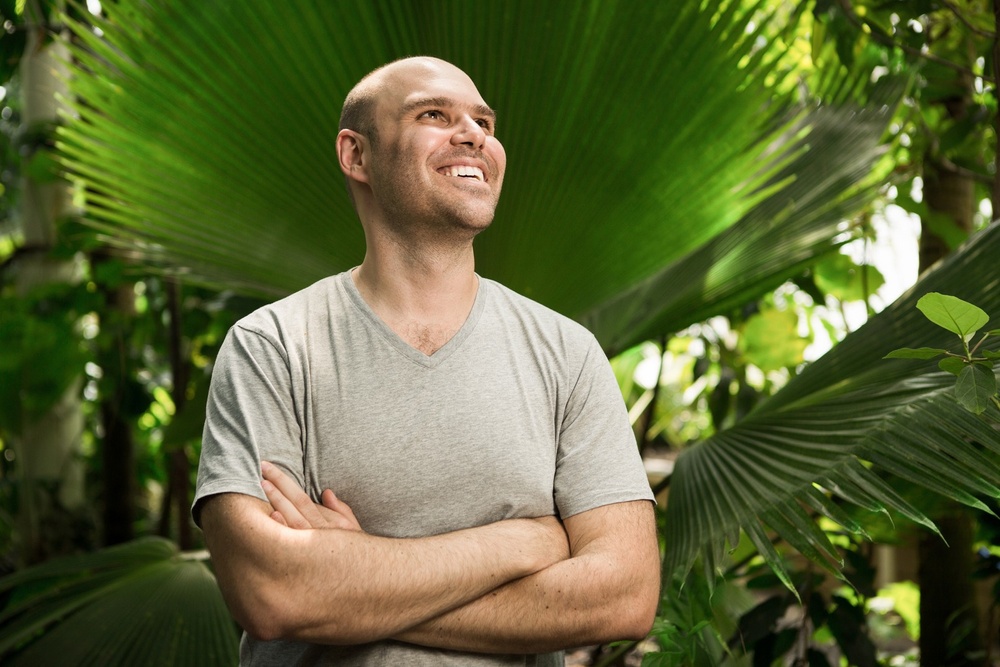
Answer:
[(981, 341)]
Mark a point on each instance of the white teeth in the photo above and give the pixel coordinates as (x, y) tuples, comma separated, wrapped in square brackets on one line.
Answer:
[(463, 170)]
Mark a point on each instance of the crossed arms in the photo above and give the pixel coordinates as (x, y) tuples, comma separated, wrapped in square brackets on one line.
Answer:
[(293, 569)]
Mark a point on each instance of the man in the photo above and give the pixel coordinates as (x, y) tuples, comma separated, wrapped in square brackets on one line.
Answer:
[(441, 421)]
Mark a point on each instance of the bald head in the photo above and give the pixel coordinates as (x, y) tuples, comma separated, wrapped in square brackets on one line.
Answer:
[(361, 104)]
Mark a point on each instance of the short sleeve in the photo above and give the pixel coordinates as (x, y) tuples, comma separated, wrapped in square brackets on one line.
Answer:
[(250, 417), (598, 462)]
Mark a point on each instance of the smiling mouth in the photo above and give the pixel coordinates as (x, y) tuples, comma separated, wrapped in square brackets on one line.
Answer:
[(463, 171)]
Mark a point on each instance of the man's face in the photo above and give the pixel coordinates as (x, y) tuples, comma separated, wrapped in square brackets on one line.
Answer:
[(436, 160)]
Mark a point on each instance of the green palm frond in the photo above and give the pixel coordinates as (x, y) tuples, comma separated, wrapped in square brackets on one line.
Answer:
[(849, 409), (636, 133), (820, 187), (142, 603)]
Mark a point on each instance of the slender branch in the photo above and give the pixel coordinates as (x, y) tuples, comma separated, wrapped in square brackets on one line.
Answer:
[(981, 341), (865, 287), (943, 163), (965, 172), (876, 33), (32, 26), (966, 22), (843, 316)]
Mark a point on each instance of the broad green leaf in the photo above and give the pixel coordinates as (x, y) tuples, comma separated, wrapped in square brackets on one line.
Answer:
[(839, 276), (976, 384), (991, 354), (771, 340), (952, 313), (952, 365), (915, 353)]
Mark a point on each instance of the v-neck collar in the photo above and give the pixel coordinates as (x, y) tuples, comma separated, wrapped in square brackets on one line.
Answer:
[(400, 345)]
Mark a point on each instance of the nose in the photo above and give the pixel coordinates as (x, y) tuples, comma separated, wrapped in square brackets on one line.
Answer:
[(469, 132)]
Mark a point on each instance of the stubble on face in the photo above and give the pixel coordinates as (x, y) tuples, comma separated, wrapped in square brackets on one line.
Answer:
[(413, 195), (408, 200)]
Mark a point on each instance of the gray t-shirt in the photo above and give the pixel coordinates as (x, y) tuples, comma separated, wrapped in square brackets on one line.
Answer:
[(518, 415)]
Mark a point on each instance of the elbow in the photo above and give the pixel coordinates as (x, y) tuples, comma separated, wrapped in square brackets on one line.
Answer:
[(636, 612), (629, 620), (637, 621), (261, 629), (274, 616), (259, 616), (632, 619), (261, 605)]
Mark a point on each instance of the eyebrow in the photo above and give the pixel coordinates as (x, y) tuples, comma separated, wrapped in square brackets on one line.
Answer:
[(478, 109)]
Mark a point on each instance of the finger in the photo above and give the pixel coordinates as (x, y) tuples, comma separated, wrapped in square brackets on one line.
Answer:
[(328, 500), (280, 519), (293, 518), (346, 515), (343, 508), (291, 491)]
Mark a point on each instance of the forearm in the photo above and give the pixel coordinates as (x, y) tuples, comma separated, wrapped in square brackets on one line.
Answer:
[(572, 603), (599, 595), (346, 587)]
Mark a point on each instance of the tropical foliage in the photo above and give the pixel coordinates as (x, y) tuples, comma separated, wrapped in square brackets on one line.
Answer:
[(668, 162), (107, 596)]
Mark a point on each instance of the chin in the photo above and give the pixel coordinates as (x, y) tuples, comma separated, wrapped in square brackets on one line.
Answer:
[(479, 221), (471, 227), (472, 218)]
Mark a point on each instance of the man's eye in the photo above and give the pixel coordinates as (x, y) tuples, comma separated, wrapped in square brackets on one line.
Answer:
[(433, 115)]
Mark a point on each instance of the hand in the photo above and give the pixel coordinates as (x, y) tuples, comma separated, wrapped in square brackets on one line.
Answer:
[(552, 544), (295, 509)]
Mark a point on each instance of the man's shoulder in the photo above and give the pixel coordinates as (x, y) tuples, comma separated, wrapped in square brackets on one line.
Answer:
[(296, 310), (538, 317)]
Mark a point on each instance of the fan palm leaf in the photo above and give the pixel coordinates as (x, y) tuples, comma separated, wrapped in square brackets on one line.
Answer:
[(141, 603), (847, 410), (636, 133)]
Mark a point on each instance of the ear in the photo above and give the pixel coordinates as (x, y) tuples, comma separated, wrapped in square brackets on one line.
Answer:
[(353, 153)]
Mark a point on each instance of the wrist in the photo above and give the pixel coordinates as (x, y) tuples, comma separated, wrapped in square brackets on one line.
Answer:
[(540, 542)]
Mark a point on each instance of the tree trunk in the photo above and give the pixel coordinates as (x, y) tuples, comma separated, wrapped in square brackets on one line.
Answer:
[(949, 617), (176, 500), (49, 465), (952, 194), (117, 444), (118, 470)]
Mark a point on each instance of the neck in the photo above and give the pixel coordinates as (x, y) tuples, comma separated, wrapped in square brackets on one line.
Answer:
[(423, 293), (417, 287)]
